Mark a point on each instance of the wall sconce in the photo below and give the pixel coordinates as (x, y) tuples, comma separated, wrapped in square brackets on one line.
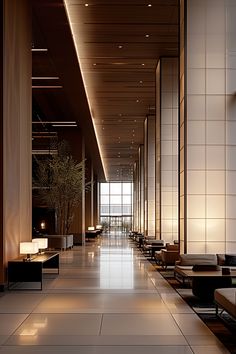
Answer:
[(28, 248), (42, 243), (91, 228), (43, 225)]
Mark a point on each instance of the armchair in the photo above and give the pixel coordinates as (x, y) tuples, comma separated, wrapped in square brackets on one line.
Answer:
[(167, 256)]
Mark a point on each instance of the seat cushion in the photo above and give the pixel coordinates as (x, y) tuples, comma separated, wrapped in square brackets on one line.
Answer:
[(192, 259), (230, 260), (226, 297)]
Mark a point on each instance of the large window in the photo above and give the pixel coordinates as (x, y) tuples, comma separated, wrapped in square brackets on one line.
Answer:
[(116, 212)]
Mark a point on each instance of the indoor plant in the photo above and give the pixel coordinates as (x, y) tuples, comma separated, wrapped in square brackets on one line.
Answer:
[(59, 179)]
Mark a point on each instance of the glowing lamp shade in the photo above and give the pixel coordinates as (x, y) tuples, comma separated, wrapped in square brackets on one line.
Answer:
[(91, 228), (42, 242), (43, 225), (29, 248), (98, 227)]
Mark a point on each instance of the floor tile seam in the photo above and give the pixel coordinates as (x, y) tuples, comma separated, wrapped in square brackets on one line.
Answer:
[(76, 346), (195, 345), (101, 324), (13, 333), (172, 314)]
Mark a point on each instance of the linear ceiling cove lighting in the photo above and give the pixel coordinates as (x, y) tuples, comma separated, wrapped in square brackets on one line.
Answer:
[(47, 87), (53, 122), (64, 125), (69, 12), (45, 78), (39, 49)]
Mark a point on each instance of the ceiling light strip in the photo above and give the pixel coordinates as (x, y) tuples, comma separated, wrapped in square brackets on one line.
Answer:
[(39, 49), (64, 125), (45, 78), (54, 122), (46, 87), (90, 108)]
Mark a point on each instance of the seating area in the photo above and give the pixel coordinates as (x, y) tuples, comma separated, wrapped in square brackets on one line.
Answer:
[(203, 273), (165, 254), (61, 242)]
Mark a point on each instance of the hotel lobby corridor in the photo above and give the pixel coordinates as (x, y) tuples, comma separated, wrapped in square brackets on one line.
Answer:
[(107, 299)]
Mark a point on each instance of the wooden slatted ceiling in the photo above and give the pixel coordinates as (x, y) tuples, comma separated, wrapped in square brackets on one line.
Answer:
[(119, 44)]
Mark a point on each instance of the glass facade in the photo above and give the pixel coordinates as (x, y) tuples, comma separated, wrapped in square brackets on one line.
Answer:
[(115, 205)]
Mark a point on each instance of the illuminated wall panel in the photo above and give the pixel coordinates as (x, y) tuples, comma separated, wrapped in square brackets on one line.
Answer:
[(158, 153), (167, 118), (208, 146), (141, 189), (149, 175)]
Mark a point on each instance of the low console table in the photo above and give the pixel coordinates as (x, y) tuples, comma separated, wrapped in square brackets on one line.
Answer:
[(31, 271)]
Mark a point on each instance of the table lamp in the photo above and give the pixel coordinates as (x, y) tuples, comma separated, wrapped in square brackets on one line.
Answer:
[(42, 243), (98, 227), (28, 248), (91, 228)]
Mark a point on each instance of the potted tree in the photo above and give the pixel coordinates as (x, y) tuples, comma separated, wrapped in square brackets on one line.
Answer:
[(59, 180)]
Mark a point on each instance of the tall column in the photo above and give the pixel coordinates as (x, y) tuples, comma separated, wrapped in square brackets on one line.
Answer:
[(2, 272), (158, 153), (167, 172), (149, 175), (16, 122), (88, 195), (92, 221), (95, 201), (141, 189), (83, 196), (135, 198), (208, 126)]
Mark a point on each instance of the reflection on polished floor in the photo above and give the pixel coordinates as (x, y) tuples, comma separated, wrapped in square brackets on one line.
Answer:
[(108, 299)]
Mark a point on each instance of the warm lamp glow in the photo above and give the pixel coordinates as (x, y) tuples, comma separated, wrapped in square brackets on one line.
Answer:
[(29, 248), (91, 228), (42, 242), (98, 227), (43, 225)]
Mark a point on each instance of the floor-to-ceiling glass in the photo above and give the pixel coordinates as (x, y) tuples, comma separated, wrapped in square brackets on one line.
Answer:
[(115, 205)]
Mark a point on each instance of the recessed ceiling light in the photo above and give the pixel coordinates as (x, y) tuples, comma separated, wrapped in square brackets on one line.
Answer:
[(120, 46), (94, 64), (135, 120), (147, 35), (143, 64), (86, 5), (140, 81), (149, 5), (137, 101)]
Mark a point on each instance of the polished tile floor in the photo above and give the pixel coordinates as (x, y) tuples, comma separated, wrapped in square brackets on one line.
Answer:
[(107, 299)]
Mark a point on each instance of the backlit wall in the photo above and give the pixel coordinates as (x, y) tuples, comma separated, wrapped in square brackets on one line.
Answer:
[(208, 126), (167, 122)]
